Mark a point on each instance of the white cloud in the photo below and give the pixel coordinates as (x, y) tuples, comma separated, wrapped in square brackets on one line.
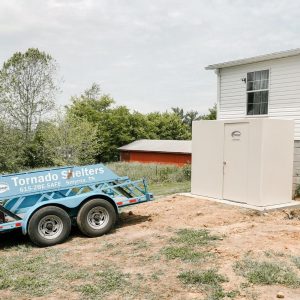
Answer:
[(149, 55)]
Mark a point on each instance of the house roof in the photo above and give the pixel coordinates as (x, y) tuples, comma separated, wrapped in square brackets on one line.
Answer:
[(254, 59), (169, 146)]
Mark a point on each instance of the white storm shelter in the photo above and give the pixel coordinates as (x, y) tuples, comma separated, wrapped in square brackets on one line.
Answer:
[(247, 160)]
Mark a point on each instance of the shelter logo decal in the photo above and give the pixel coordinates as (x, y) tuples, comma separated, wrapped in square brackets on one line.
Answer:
[(4, 187)]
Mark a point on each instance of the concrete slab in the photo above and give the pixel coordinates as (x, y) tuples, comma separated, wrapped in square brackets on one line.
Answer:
[(291, 204)]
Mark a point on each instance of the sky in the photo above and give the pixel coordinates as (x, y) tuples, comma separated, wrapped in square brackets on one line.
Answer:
[(148, 55)]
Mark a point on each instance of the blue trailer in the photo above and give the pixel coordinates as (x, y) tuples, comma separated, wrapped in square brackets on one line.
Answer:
[(46, 203)]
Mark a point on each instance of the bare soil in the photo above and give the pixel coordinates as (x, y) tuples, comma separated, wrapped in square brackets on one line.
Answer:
[(135, 248)]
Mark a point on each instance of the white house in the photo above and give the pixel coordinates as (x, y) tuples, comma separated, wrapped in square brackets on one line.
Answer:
[(262, 86)]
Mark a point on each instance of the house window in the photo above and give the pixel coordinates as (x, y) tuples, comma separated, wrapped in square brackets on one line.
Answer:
[(257, 92)]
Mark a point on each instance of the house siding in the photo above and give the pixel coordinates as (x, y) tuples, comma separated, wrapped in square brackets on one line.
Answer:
[(284, 90), (284, 96), (178, 159)]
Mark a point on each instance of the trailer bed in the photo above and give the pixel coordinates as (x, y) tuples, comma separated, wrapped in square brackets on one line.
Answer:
[(68, 188)]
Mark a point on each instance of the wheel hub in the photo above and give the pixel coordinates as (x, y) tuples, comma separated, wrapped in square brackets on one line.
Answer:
[(50, 227), (98, 217)]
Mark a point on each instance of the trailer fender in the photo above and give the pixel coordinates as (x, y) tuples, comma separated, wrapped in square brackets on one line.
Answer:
[(64, 203)]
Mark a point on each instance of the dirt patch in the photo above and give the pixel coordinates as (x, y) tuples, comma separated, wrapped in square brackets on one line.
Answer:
[(134, 252)]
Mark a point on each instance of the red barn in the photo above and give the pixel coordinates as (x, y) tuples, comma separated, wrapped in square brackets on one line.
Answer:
[(175, 152)]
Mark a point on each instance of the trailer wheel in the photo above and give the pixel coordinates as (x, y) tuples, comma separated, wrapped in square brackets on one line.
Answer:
[(49, 226), (96, 217)]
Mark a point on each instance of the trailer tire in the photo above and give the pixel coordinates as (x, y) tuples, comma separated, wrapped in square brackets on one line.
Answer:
[(49, 226), (96, 217)]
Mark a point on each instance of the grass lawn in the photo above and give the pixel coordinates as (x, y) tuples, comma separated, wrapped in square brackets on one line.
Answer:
[(162, 179), (159, 189)]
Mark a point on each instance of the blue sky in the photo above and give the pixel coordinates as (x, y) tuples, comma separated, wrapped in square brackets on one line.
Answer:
[(148, 55)]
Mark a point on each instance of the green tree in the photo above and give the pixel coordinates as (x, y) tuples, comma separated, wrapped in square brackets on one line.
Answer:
[(93, 92), (39, 152), (167, 126), (212, 114), (63, 141), (11, 149), (90, 105), (191, 116), (27, 88), (117, 125), (72, 140), (117, 128), (179, 111), (186, 117)]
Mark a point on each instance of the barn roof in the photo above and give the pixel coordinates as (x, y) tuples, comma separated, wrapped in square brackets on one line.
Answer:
[(254, 59), (169, 146)]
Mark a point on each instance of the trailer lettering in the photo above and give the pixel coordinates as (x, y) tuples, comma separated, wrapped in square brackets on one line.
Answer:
[(14, 179), (53, 184), (82, 172), (100, 170), (38, 181), (34, 179)]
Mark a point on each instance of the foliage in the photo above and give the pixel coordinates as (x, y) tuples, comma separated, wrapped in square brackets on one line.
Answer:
[(179, 111), (186, 117), (167, 126), (61, 141), (11, 149), (38, 152), (116, 128), (192, 115), (212, 115), (117, 125), (71, 141), (27, 88), (91, 131)]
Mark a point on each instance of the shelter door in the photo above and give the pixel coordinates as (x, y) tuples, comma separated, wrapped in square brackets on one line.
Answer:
[(236, 145)]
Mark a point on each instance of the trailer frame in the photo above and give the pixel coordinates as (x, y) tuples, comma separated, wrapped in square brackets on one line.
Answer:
[(19, 203)]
